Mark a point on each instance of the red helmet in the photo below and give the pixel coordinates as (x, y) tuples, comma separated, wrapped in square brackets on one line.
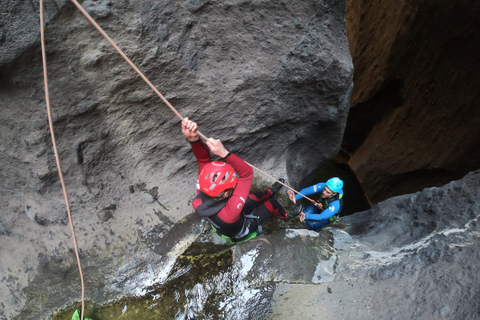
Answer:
[(217, 177)]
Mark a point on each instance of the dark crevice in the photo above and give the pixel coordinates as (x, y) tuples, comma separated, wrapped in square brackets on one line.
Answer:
[(363, 117)]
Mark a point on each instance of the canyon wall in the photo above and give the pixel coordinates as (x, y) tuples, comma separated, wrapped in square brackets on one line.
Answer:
[(414, 119), (271, 79)]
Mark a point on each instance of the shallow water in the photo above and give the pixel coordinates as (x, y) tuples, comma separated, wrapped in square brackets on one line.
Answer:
[(198, 266)]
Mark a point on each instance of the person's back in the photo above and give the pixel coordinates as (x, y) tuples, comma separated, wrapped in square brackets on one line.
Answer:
[(223, 189)]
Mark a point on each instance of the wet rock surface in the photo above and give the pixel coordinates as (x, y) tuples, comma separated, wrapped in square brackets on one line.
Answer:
[(391, 262), (412, 256)]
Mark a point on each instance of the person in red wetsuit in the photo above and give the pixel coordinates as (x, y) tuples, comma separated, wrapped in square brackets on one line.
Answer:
[(223, 190)]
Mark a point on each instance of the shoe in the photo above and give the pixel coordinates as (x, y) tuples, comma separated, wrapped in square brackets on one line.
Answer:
[(276, 187), (285, 215), (295, 210)]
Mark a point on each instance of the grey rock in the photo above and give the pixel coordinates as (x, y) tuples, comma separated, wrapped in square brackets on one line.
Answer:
[(19, 25), (195, 5), (4, 230), (91, 59), (98, 9)]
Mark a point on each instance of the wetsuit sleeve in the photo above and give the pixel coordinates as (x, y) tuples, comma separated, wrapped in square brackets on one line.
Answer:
[(310, 190), (232, 211), (332, 209), (201, 152)]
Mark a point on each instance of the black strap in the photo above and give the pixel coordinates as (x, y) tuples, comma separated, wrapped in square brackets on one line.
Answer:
[(228, 154)]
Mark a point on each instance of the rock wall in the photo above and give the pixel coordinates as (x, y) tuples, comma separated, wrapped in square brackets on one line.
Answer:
[(413, 256), (410, 257), (414, 116), (272, 79)]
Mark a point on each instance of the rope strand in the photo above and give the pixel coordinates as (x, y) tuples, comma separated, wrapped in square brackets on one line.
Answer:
[(57, 159)]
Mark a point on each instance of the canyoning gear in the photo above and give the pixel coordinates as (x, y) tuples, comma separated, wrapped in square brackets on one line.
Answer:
[(334, 219), (295, 210), (250, 229), (233, 241), (273, 206), (216, 177), (332, 206), (276, 187), (235, 203), (335, 184), (318, 204), (241, 215), (258, 208), (238, 230), (208, 206), (327, 201), (77, 316), (316, 188), (316, 217), (262, 205), (248, 237)]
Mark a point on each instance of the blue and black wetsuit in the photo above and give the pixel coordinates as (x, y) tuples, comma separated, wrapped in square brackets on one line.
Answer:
[(316, 217)]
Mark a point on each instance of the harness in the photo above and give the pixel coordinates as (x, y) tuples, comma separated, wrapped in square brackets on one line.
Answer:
[(326, 203), (238, 230)]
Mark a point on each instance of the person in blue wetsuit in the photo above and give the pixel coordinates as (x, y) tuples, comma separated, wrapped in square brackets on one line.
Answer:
[(327, 209)]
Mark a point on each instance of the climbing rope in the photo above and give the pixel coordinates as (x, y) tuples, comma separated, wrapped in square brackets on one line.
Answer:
[(50, 122), (95, 24)]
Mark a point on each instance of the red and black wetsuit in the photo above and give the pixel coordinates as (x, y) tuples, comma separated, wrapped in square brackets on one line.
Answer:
[(228, 215)]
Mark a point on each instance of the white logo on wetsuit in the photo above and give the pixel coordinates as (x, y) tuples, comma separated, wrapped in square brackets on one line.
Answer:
[(332, 209), (240, 204)]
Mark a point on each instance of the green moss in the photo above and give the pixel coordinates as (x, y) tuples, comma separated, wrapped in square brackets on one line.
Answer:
[(203, 261)]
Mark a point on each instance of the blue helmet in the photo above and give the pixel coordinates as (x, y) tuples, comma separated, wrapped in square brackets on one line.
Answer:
[(335, 184)]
